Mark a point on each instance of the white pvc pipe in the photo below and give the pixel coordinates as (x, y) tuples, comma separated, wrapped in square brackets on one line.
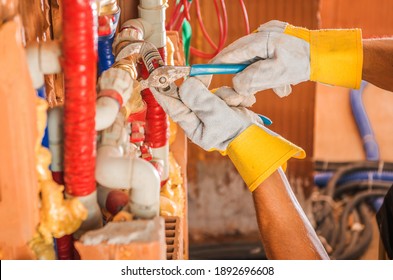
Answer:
[(117, 81), (162, 154), (102, 195), (43, 58), (56, 139), (118, 172), (145, 195), (94, 217), (107, 109), (153, 11), (141, 28)]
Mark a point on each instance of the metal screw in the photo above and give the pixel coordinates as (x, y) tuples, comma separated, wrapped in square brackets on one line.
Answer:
[(162, 80)]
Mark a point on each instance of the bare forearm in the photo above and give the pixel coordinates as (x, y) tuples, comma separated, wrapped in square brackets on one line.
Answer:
[(285, 230), (378, 62)]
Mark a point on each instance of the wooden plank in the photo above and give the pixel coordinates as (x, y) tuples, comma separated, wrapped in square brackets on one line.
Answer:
[(18, 123)]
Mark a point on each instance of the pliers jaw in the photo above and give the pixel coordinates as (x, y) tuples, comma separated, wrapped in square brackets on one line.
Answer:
[(159, 75), (163, 76)]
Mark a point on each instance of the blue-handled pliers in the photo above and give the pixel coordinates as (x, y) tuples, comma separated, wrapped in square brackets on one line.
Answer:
[(163, 76)]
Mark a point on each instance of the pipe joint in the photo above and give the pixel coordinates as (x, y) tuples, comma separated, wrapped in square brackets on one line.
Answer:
[(116, 87), (154, 13), (43, 59), (118, 80), (116, 135)]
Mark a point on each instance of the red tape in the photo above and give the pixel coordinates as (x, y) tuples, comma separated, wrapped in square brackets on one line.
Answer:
[(112, 94)]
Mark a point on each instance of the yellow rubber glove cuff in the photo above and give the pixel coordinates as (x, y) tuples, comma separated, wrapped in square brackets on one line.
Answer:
[(336, 55), (256, 154)]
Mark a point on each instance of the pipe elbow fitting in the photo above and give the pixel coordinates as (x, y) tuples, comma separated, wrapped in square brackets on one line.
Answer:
[(116, 86), (107, 109), (43, 59), (117, 172)]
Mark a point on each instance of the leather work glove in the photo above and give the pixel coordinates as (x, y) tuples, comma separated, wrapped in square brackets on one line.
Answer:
[(283, 55), (221, 122)]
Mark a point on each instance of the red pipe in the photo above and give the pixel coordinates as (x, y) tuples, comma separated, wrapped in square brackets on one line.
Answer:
[(157, 132), (79, 65), (65, 248), (156, 122)]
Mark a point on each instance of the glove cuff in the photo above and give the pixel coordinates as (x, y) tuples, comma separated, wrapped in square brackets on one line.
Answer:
[(336, 55), (299, 32), (256, 154)]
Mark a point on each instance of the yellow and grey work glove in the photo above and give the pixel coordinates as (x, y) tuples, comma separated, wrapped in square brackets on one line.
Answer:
[(211, 123), (283, 55)]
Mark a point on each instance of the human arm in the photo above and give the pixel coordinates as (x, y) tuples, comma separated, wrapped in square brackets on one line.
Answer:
[(378, 62), (279, 213), (220, 121)]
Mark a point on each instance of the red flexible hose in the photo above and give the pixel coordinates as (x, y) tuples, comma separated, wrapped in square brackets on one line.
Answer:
[(178, 24), (174, 17), (186, 11), (223, 27), (156, 122), (245, 16), (156, 129), (202, 26), (80, 58), (65, 247)]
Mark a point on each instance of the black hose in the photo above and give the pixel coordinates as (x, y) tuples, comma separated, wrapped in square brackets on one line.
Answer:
[(366, 165), (355, 186), (356, 251), (355, 235), (344, 217), (326, 228), (330, 189)]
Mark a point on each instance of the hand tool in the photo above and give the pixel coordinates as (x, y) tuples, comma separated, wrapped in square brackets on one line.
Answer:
[(163, 76)]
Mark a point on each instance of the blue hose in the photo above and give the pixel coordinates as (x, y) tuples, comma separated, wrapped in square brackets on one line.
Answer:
[(105, 55), (321, 179), (45, 140), (370, 145)]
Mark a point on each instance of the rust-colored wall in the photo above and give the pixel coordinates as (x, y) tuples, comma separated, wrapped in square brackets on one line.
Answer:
[(336, 135), (374, 17)]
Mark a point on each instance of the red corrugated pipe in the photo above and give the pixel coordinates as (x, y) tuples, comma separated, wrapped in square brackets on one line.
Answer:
[(79, 65), (156, 132), (157, 123), (65, 250)]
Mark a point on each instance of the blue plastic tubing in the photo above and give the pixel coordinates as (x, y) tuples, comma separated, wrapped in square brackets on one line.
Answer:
[(370, 145), (45, 140), (105, 55), (321, 179)]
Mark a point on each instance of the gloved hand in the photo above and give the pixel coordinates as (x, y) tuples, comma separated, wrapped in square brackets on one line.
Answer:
[(221, 122), (283, 55)]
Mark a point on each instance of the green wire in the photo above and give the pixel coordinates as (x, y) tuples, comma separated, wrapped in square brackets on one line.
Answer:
[(186, 35)]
